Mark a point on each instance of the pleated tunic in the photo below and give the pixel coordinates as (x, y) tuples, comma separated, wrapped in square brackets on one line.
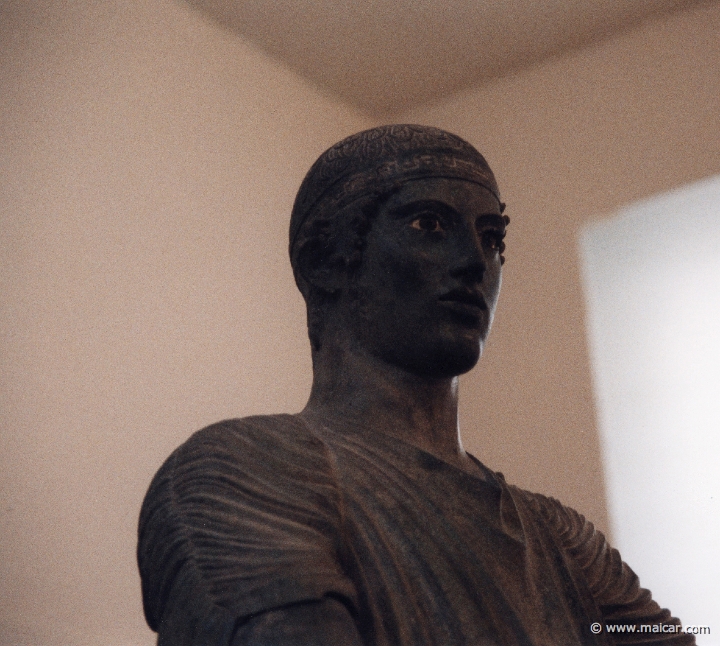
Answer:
[(254, 514)]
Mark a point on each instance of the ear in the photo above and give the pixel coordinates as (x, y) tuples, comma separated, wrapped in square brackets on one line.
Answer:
[(331, 250), (320, 265)]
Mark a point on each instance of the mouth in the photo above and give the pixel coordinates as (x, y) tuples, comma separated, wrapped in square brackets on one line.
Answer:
[(466, 303), (464, 297)]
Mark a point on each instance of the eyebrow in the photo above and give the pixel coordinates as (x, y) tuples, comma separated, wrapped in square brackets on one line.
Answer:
[(441, 207), (491, 219)]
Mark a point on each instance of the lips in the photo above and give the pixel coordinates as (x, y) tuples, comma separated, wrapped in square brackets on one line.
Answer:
[(464, 297), (466, 305)]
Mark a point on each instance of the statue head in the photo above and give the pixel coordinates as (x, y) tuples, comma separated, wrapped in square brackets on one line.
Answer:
[(395, 171)]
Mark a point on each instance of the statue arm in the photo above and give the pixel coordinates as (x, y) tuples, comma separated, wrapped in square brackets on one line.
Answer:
[(240, 534), (316, 623), (614, 586)]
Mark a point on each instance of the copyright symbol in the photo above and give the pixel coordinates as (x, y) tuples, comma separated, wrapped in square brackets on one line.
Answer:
[(595, 628)]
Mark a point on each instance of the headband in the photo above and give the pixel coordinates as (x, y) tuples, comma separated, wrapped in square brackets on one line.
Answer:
[(377, 160)]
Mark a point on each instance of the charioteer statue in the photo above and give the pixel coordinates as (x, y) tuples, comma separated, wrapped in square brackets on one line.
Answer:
[(362, 520)]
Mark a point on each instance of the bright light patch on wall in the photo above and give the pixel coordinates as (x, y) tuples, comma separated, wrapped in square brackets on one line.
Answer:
[(652, 284)]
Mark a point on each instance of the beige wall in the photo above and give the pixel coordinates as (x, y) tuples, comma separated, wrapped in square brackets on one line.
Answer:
[(149, 163), (571, 140)]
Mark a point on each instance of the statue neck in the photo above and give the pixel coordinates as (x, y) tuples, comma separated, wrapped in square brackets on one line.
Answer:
[(355, 389)]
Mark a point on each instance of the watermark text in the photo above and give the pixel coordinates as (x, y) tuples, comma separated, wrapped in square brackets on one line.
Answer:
[(597, 628)]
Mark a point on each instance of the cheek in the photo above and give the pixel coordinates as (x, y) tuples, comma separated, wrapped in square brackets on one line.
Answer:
[(495, 282), (491, 291), (396, 270), (410, 269)]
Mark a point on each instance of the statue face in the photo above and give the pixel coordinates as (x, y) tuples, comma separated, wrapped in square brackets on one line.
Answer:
[(425, 293)]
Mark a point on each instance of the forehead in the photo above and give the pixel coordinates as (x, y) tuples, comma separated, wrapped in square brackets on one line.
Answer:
[(460, 195)]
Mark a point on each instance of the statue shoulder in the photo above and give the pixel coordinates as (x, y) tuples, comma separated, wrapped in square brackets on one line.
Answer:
[(581, 542), (240, 489), (264, 429), (570, 528), (613, 584), (263, 442), (273, 449)]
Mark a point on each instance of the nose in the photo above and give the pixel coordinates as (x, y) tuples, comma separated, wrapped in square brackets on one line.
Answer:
[(469, 263)]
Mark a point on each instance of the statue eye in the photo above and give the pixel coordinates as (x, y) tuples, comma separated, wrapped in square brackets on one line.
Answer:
[(428, 222), (494, 240)]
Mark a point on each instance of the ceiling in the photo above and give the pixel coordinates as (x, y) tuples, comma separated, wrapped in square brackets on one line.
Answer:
[(385, 56)]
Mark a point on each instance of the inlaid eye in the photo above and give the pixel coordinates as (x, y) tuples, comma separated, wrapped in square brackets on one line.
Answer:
[(494, 240), (428, 222)]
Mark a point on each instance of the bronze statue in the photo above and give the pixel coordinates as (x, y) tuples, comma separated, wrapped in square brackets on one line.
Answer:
[(361, 520)]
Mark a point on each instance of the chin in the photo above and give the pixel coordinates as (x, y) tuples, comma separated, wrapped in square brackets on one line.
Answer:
[(455, 365), (445, 361)]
